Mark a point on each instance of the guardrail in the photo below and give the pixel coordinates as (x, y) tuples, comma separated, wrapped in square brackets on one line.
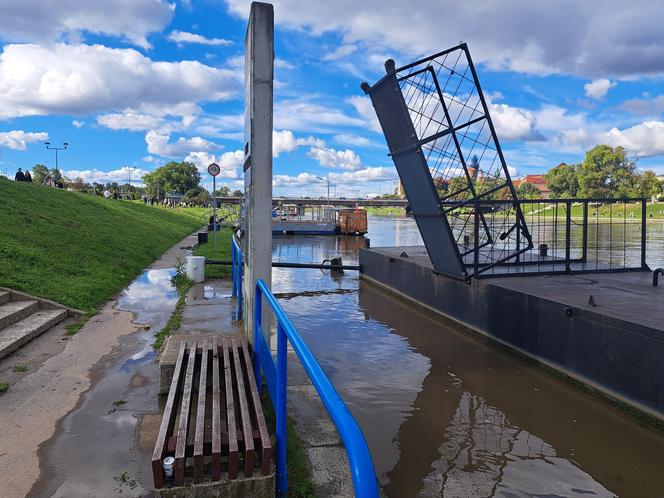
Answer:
[(236, 272), (361, 464), (563, 236)]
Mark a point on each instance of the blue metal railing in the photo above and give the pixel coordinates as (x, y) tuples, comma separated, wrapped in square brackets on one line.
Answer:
[(236, 271), (361, 465)]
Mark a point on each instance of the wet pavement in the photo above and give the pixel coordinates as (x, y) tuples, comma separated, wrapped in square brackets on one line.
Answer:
[(104, 446), (444, 413)]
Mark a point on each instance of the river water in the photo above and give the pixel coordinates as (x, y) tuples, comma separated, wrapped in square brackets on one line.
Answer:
[(445, 414)]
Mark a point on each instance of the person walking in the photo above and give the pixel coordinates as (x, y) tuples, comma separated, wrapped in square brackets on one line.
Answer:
[(28, 176), (19, 177)]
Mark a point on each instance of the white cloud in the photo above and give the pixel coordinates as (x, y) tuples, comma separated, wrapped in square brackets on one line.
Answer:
[(229, 162), (181, 37), (94, 78), (285, 141), (332, 158), (641, 140), (306, 114), (129, 120), (597, 89), (120, 175), (44, 21), (78, 124), (350, 139), (346, 183), (645, 107), (160, 145), (19, 139), (601, 38), (513, 123), (340, 52), (365, 109)]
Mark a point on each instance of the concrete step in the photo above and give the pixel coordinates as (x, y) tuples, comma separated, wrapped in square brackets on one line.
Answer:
[(16, 335), (5, 297), (15, 311)]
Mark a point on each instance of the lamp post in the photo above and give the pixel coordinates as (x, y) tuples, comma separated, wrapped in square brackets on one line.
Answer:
[(56, 148), (328, 187)]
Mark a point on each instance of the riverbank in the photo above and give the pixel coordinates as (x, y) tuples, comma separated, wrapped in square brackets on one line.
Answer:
[(386, 211), (36, 410), (78, 249)]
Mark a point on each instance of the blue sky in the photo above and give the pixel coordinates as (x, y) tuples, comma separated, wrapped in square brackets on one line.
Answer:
[(132, 84)]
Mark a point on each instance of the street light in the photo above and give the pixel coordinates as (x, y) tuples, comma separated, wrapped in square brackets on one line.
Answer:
[(328, 187), (56, 148)]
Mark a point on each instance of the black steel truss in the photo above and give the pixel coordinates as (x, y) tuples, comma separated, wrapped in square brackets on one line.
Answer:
[(443, 143)]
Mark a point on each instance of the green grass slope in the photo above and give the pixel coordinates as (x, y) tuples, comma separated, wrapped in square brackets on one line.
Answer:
[(79, 249)]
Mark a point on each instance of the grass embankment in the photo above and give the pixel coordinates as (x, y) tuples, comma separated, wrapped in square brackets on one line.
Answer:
[(79, 249), (617, 210), (221, 251), (386, 211)]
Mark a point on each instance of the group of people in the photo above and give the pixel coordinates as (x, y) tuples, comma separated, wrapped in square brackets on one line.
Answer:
[(23, 177)]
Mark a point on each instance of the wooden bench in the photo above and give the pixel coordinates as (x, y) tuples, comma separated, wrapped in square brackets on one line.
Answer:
[(213, 421)]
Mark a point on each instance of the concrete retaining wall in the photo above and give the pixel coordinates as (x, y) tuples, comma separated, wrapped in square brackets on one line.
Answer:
[(622, 359)]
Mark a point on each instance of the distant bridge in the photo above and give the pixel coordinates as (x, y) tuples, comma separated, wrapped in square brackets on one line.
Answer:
[(324, 202)]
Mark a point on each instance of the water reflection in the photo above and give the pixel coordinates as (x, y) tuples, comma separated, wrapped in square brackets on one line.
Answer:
[(97, 443), (444, 414)]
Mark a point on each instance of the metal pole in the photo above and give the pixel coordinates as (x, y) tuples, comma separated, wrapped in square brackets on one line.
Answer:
[(644, 264), (56, 159), (328, 190), (568, 229), (584, 234), (214, 214), (282, 473)]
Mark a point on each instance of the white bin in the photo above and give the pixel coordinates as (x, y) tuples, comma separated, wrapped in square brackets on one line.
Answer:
[(195, 268)]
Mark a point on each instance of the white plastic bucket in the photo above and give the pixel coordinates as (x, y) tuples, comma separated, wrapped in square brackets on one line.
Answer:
[(195, 268), (167, 464)]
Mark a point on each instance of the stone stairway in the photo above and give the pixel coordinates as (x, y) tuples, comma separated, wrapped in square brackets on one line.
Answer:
[(22, 318)]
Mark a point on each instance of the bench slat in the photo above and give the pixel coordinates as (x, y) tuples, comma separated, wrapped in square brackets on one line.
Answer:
[(233, 456), (167, 421), (247, 433), (265, 444), (200, 414), (184, 418), (216, 415)]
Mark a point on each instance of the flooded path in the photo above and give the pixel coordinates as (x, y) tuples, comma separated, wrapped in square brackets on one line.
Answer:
[(446, 414), (104, 446)]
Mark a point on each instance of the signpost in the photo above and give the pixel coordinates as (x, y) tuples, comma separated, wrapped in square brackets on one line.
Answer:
[(214, 170)]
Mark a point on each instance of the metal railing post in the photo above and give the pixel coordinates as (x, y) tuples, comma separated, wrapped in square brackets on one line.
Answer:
[(233, 264), (476, 236), (282, 372), (258, 314), (584, 233), (362, 470), (568, 235), (238, 312), (644, 205)]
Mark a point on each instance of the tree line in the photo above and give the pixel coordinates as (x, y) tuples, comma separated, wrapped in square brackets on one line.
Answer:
[(605, 172), (180, 178)]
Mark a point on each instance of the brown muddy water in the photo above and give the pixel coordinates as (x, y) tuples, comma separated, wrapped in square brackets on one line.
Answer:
[(447, 414)]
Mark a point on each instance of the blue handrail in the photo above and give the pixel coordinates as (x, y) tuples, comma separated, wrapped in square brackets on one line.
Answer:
[(236, 272), (361, 465)]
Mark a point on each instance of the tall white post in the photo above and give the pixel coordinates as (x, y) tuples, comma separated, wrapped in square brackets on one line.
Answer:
[(258, 81)]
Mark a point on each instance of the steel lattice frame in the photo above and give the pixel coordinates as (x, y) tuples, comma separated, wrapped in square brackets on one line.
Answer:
[(437, 125)]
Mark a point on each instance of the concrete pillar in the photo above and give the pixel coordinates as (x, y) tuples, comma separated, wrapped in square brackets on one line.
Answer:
[(259, 77)]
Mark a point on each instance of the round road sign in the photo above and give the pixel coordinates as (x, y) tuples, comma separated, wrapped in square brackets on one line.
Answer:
[(214, 169)]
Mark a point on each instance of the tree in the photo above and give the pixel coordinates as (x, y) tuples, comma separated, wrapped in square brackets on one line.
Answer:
[(238, 193), (224, 191), (606, 172), (646, 184), (562, 180), (39, 174), (172, 177), (196, 195), (528, 191)]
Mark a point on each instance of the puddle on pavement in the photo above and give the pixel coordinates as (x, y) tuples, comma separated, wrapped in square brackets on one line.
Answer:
[(100, 450), (448, 415)]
